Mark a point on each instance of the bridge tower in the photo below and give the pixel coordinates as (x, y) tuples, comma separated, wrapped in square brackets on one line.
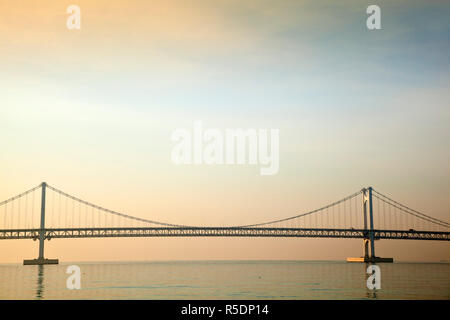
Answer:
[(369, 233), (41, 260)]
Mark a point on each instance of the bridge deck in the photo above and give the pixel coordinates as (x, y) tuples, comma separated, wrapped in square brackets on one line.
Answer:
[(222, 232)]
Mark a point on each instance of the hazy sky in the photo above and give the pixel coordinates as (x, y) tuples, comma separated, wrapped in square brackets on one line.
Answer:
[(91, 111)]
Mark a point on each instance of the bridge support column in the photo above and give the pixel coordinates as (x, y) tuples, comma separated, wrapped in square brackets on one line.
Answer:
[(365, 200), (41, 260), (369, 234)]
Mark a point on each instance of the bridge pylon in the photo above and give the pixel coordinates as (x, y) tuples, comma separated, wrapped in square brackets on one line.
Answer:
[(41, 260), (369, 239)]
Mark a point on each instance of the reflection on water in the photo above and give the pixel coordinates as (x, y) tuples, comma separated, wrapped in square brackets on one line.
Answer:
[(40, 280), (371, 294), (226, 280)]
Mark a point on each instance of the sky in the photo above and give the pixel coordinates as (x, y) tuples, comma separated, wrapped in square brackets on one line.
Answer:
[(91, 112)]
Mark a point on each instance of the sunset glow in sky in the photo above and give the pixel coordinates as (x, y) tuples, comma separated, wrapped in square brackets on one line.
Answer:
[(91, 111)]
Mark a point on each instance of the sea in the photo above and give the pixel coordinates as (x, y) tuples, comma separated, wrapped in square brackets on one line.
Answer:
[(235, 280)]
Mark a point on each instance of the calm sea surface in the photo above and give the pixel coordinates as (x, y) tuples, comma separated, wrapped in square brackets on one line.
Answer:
[(226, 280)]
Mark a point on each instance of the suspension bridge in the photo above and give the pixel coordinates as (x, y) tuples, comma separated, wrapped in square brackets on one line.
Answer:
[(44, 213)]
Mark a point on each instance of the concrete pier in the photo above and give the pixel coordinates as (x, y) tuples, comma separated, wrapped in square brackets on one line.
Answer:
[(371, 259), (40, 262)]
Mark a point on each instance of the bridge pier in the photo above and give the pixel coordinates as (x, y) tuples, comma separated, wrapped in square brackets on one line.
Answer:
[(372, 257), (367, 205), (41, 260)]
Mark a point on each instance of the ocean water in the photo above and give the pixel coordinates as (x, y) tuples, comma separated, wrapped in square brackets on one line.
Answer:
[(226, 280)]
